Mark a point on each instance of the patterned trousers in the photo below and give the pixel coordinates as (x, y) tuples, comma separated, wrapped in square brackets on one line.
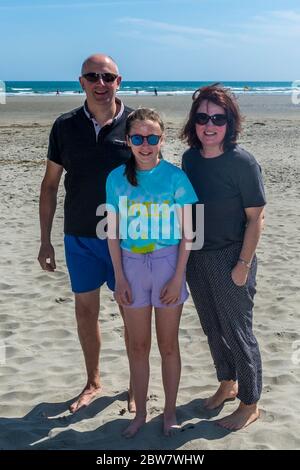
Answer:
[(225, 312)]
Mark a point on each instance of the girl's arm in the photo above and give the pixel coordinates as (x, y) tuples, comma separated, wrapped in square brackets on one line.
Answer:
[(171, 291), (186, 225), (122, 288)]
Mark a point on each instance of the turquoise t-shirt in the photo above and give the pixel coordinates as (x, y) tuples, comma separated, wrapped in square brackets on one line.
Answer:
[(148, 212)]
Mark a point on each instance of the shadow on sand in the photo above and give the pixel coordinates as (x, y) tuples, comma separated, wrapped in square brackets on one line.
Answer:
[(52, 426)]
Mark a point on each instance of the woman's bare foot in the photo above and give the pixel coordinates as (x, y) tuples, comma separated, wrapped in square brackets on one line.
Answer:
[(227, 390), (85, 398), (131, 402), (134, 426), (170, 424), (240, 418)]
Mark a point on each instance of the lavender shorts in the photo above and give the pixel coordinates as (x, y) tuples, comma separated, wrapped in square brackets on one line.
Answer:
[(148, 273)]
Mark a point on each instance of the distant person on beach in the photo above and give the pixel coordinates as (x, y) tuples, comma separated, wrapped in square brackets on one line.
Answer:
[(87, 143), (57, 92), (150, 263), (136, 91), (221, 276), (155, 92)]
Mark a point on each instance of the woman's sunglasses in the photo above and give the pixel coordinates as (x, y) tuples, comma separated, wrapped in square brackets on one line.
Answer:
[(216, 119), (94, 77), (138, 139)]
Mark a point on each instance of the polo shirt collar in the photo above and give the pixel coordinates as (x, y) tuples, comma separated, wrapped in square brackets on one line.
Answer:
[(90, 116)]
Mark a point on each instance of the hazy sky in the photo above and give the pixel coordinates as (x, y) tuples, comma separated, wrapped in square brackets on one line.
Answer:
[(152, 39)]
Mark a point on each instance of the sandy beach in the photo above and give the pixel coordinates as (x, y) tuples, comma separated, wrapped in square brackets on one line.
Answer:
[(41, 363)]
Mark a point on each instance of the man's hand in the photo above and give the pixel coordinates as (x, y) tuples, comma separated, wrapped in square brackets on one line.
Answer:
[(46, 257)]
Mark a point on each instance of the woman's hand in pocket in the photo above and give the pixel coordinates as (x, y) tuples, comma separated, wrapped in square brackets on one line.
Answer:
[(239, 274)]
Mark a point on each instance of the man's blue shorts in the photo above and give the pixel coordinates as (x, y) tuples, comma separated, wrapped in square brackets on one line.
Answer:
[(89, 263)]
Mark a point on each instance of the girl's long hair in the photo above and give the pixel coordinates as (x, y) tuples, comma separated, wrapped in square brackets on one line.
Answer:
[(140, 114)]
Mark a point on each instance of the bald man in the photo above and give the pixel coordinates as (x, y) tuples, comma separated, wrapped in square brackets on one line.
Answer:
[(88, 143)]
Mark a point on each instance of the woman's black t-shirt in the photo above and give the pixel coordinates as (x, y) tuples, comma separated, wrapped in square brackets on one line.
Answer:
[(226, 185)]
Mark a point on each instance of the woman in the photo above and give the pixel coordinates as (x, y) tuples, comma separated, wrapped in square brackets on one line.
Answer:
[(150, 259), (221, 276)]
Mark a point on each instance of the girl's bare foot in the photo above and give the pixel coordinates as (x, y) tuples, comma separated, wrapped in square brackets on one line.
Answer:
[(240, 418), (85, 398), (170, 424), (227, 390), (134, 426)]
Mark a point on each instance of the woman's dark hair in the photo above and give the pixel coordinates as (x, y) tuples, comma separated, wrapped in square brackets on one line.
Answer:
[(222, 97), (140, 114)]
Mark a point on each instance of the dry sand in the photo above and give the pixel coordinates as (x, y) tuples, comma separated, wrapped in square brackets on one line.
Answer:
[(41, 364)]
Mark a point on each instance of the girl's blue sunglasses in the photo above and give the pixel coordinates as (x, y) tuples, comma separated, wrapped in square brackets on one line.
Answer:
[(138, 139)]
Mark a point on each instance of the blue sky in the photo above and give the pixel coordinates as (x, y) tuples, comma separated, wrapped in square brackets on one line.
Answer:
[(152, 39)]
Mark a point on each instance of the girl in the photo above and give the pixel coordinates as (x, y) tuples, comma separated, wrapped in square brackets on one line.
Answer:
[(146, 197)]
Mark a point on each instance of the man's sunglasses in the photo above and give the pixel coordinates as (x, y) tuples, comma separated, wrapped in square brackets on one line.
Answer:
[(138, 139), (216, 119), (94, 77)]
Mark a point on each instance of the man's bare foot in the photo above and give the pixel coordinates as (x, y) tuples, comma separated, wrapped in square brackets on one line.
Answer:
[(170, 425), (240, 418), (131, 402), (134, 426), (227, 391), (85, 398)]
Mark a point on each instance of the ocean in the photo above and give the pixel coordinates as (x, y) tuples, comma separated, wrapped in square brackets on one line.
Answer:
[(146, 88)]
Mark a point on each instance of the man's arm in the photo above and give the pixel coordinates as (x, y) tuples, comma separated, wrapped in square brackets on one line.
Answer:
[(48, 198)]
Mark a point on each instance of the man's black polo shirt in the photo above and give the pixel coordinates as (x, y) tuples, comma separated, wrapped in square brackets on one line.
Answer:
[(88, 161)]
